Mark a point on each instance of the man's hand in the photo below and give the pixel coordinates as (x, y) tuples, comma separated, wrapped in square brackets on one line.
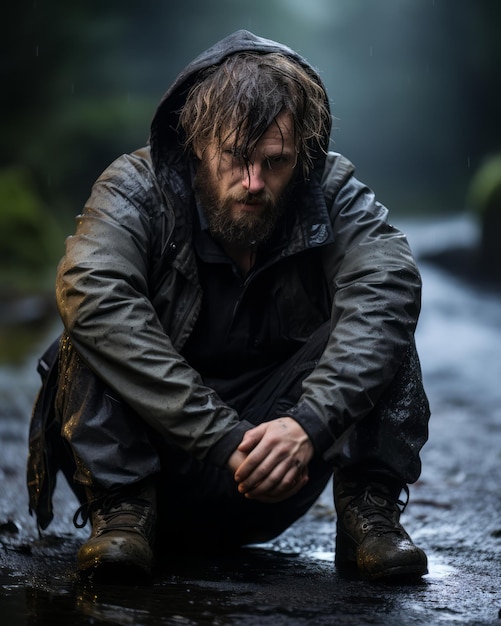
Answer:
[(271, 462)]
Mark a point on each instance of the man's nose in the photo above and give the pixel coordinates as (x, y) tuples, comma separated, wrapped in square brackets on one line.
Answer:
[(252, 178)]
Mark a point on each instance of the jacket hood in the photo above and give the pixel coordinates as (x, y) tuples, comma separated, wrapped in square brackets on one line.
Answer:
[(166, 144)]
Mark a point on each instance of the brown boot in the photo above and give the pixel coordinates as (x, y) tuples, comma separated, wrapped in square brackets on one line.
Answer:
[(123, 525), (370, 538)]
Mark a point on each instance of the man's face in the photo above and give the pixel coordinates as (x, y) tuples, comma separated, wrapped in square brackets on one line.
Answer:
[(243, 199)]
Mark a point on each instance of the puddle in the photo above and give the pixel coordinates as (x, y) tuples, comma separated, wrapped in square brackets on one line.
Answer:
[(322, 555), (437, 570)]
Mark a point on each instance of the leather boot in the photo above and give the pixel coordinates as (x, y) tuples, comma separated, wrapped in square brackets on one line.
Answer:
[(370, 539), (123, 527)]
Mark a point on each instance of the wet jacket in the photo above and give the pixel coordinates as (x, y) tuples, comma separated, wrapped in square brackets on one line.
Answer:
[(129, 295)]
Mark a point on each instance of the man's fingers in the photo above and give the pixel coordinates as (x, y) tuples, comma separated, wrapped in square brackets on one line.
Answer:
[(263, 455), (253, 472), (282, 479), (251, 438), (278, 495), (265, 462), (276, 460)]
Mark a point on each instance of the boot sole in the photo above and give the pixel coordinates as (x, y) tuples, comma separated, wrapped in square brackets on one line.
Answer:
[(401, 574)]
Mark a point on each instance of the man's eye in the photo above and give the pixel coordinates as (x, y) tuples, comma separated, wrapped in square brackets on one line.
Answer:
[(235, 155), (277, 161), (234, 152), (231, 157)]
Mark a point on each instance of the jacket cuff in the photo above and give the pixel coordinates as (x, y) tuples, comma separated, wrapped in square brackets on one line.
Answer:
[(321, 437), (223, 449)]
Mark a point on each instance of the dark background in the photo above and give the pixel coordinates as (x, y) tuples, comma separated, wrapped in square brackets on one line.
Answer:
[(414, 88)]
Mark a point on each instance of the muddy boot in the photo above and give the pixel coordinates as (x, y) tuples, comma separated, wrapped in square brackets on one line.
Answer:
[(370, 539), (123, 524)]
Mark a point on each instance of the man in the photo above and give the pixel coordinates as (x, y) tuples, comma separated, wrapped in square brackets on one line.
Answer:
[(239, 320)]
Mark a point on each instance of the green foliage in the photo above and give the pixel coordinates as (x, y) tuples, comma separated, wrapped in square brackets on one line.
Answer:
[(30, 237), (84, 138), (485, 199), (485, 187)]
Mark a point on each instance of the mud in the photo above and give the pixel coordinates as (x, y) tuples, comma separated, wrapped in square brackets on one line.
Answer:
[(454, 511)]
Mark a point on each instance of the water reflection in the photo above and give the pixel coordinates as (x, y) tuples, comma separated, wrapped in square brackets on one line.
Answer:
[(255, 586)]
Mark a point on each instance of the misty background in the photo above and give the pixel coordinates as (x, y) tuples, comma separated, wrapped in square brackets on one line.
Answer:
[(413, 85)]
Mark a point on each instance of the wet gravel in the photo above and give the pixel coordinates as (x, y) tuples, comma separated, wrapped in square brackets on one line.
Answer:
[(454, 511)]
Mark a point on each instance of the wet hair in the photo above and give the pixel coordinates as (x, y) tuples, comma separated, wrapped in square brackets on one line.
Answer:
[(242, 97)]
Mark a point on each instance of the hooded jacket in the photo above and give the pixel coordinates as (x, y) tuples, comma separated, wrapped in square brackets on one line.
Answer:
[(129, 295)]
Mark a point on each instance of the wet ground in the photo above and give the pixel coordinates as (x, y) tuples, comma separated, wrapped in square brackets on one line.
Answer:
[(454, 512)]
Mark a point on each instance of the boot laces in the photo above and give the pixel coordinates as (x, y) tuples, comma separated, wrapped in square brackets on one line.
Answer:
[(379, 512), (113, 513)]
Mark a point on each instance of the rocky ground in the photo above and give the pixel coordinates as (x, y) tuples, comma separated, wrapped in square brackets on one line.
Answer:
[(454, 511)]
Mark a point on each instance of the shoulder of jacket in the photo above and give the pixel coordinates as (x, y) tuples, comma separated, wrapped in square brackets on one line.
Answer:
[(133, 176), (131, 173), (136, 163), (141, 158), (336, 172)]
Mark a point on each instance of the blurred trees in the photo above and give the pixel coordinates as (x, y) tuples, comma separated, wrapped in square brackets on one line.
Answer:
[(67, 106), (477, 62), (413, 85), (29, 231)]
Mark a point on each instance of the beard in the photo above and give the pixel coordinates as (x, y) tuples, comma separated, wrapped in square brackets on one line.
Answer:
[(249, 228)]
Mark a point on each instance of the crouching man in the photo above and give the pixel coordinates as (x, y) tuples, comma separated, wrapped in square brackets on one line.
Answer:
[(239, 327)]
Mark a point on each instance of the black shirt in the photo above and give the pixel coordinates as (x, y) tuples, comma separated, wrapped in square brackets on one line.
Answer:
[(238, 338)]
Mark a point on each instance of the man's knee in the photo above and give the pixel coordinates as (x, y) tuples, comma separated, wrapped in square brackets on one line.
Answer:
[(111, 444)]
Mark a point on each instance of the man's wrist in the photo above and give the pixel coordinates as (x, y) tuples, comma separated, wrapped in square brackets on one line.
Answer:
[(223, 449)]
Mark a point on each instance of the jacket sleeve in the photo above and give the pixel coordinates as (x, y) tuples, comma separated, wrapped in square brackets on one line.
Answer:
[(103, 296), (376, 297)]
